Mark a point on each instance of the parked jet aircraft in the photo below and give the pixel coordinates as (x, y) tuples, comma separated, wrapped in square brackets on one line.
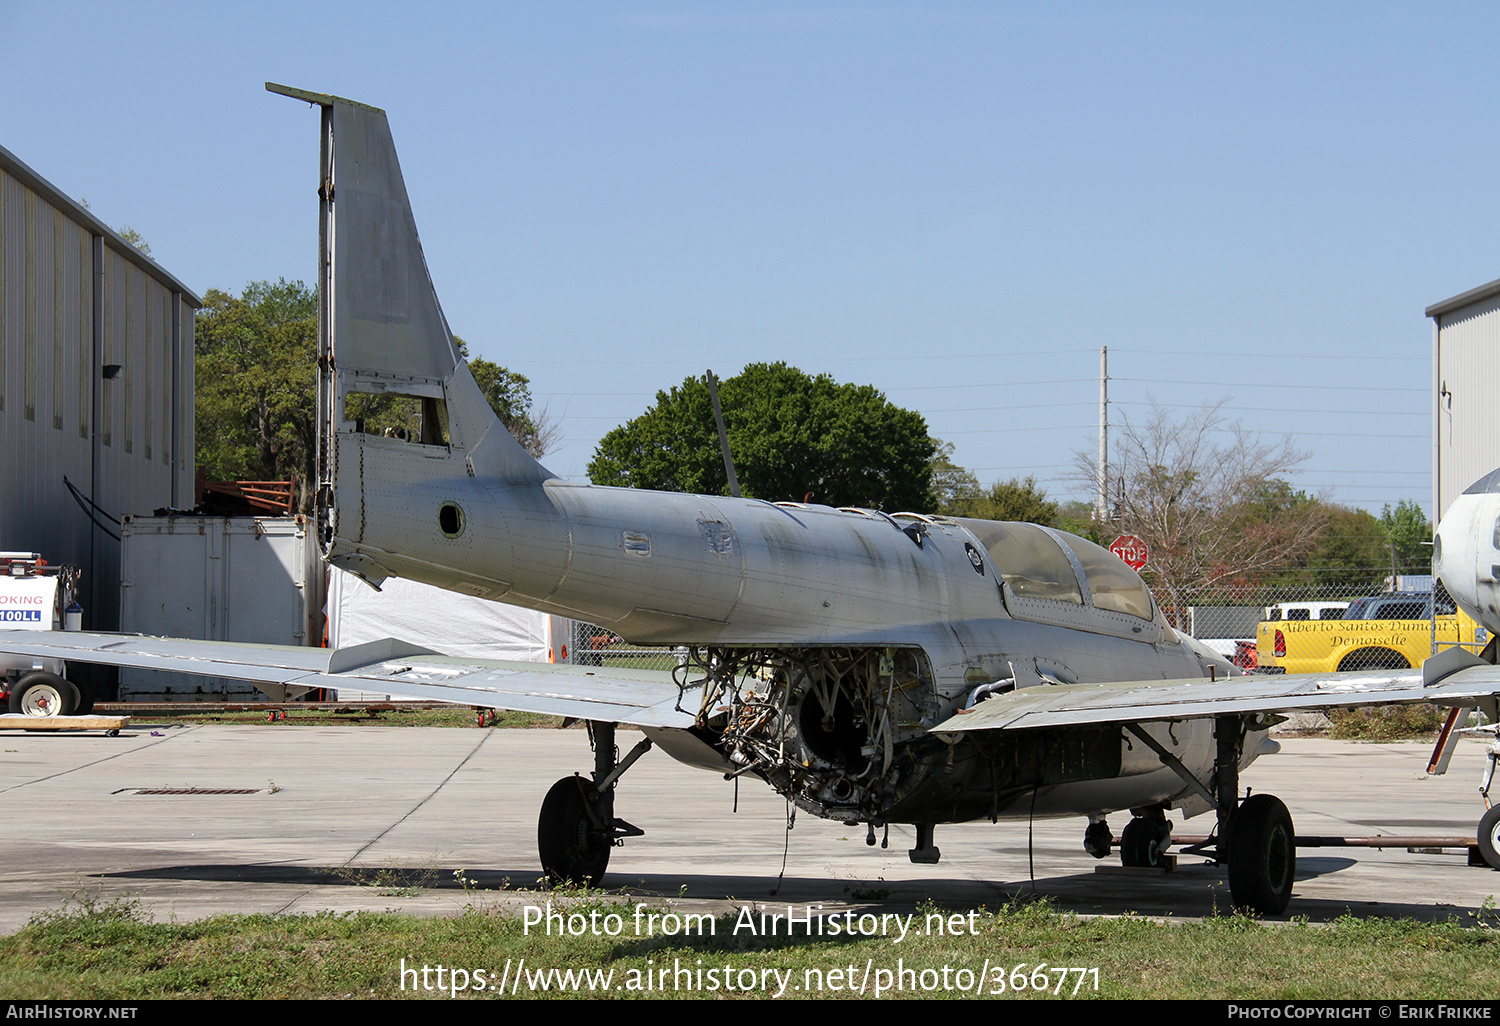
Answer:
[(873, 668)]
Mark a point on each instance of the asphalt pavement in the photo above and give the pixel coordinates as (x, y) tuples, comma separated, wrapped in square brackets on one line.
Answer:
[(429, 820)]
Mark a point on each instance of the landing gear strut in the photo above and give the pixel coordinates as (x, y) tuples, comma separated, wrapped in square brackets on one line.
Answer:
[(1256, 837), (578, 826), (1489, 823)]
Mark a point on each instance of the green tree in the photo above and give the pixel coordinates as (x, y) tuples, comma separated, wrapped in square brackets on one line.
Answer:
[(255, 355), (1080, 518), (1350, 553), (256, 416), (509, 395), (792, 436), (133, 237), (953, 488), (1019, 499), (1409, 538), (1016, 499)]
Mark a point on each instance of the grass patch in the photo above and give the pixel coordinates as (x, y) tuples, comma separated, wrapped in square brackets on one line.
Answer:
[(1419, 722), (114, 951)]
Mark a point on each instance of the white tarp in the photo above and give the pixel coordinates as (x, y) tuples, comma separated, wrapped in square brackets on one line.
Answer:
[(444, 621)]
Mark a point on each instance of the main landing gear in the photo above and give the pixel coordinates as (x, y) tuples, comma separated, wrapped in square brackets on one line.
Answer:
[(578, 826), (1489, 824), (1255, 836), (1262, 855)]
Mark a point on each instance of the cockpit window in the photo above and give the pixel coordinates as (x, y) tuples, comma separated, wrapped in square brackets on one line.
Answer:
[(1029, 560), (1114, 585), (1486, 485)]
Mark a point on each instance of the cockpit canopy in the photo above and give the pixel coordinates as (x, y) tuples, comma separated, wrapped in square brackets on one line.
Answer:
[(1040, 563)]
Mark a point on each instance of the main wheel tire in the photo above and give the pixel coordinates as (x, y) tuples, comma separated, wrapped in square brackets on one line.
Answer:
[(1262, 856), (571, 847), (44, 694), (1489, 837), (1143, 842)]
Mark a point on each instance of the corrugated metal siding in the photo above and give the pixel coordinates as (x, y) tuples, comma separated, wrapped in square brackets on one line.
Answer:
[(1468, 418), (182, 424), (42, 282), (48, 377), (13, 273)]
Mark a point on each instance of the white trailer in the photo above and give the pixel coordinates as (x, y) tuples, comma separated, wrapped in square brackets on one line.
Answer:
[(250, 579)]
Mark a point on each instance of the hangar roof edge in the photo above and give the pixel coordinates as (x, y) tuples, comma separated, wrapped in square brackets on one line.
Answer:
[(1464, 299), (13, 165)]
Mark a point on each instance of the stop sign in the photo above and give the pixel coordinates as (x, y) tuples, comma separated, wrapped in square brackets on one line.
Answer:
[(1130, 549)]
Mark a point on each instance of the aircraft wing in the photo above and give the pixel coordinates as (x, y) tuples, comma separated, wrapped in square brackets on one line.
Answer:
[(1454, 677), (646, 698)]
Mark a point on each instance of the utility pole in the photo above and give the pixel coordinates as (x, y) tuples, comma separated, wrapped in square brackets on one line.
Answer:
[(1102, 513)]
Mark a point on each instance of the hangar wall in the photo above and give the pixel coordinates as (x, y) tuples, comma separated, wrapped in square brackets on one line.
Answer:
[(96, 383), (1466, 379)]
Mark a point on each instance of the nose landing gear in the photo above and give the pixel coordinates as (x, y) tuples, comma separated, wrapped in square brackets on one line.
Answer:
[(1145, 840)]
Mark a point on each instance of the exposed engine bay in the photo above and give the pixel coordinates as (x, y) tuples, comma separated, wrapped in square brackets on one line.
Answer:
[(843, 733)]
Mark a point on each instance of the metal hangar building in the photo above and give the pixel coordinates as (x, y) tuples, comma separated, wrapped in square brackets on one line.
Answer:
[(96, 384)]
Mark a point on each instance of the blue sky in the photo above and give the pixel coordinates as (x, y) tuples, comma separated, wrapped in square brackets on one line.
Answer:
[(955, 202)]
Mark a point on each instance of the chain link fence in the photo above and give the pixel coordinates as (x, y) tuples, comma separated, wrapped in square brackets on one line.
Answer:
[(597, 646), (1234, 613)]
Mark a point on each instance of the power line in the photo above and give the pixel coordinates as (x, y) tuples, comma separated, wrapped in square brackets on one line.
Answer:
[(1262, 356), (1270, 384)]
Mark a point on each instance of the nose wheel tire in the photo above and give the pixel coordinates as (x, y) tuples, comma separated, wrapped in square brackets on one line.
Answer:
[(44, 694), (1262, 856), (1144, 841), (572, 848)]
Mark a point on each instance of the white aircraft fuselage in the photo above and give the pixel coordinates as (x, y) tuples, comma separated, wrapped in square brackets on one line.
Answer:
[(1466, 550)]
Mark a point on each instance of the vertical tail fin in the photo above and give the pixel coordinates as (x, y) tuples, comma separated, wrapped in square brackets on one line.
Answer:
[(381, 329), (383, 312)]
